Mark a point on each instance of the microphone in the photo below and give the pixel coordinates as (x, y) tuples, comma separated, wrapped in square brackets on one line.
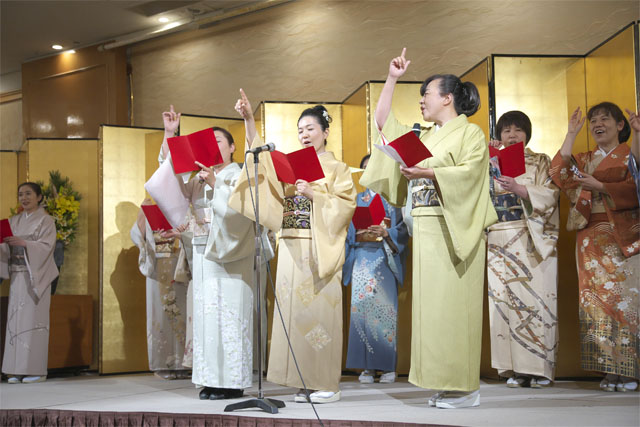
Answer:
[(416, 129), (269, 147)]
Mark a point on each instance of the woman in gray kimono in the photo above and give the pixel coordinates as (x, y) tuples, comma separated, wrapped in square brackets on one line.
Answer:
[(26, 258)]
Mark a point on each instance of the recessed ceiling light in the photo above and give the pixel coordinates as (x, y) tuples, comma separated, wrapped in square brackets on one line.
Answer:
[(70, 51), (164, 20), (56, 47)]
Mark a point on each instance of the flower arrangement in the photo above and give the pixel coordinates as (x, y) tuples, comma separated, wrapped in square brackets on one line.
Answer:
[(62, 202)]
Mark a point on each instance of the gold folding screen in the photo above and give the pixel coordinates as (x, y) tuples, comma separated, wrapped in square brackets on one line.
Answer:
[(123, 338)]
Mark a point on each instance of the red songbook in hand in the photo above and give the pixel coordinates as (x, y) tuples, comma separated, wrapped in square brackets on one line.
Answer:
[(366, 216), (200, 146), (301, 164), (510, 159), (5, 229), (155, 217), (407, 150)]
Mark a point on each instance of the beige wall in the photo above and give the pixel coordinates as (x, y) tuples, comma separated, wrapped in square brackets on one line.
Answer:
[(11, 125), (321, 51)]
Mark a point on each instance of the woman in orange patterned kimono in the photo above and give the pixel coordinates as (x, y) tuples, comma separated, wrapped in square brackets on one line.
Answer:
[(604, 211)]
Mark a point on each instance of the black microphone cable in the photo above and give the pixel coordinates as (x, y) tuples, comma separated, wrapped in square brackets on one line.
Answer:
[(275, 297)]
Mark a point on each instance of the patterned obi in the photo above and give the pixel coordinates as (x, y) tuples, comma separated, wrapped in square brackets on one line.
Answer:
[(508, 206), (297, 213), (164, 248), (17, 260), (423, 193)]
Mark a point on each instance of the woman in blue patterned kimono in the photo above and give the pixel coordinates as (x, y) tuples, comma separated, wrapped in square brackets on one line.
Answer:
[(374, 264)]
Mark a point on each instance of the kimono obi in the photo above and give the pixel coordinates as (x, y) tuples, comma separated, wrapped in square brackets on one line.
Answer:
[(17, 261), (164, 248), (297, 213), (508, 207), (365, 236), (423, 193)]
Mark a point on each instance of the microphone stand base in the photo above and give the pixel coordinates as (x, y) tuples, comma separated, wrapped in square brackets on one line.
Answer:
[(267, 405)]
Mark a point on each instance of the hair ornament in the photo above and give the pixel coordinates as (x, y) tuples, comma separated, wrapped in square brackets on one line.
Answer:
[(326, 116)]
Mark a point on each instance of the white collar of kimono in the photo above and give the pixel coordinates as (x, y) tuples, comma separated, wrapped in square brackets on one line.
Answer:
[(604, 153), (371, 192)]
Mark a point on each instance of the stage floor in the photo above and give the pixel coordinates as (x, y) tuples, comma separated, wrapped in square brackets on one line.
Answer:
[(568, 403)]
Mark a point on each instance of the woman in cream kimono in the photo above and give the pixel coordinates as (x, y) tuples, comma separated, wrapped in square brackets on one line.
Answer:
[(604, 211), (222, 274), (27, 259), (166, 299), (451, 209), (312, 219), (522, 264)]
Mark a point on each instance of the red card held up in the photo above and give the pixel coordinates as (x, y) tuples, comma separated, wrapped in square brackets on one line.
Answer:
[(407, 150), (510, 159), (201, 146), (155, 217), (366, 216), (301, 164), (5, 229)]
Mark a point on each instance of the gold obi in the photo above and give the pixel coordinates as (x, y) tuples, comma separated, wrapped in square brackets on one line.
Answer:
[(423, 193), (297, 213)]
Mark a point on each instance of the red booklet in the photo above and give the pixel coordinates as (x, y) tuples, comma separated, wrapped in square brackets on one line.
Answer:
[(201, 146), (156, 218), (510, 159), (5, 229), (366, 216), (301, 164), (407, 150)]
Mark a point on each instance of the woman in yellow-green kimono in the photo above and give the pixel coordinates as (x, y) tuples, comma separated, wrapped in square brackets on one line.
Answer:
[(451, 209)]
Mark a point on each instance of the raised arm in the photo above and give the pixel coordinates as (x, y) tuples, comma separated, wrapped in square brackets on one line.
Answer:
[(634, 122), (576, 121), (397, 68), (243, 107), (171, 121)]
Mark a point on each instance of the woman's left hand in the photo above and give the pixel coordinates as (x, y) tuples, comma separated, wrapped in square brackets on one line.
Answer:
[(304, 189), (415, 172), (588, 182), (169, 234), (206, 174), (378, 230), (15, 241)]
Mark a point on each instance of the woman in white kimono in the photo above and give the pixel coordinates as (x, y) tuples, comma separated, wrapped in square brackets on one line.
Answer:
[(222, 274), (27, 259), (166, 299), (522, 264), (312, 218)]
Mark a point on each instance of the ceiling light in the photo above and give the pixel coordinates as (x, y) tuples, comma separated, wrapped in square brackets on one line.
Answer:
[(164, 20), (70, 51), (56, 47)]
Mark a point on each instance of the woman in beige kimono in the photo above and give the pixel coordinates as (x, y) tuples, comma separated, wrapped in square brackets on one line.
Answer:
[(312, 218), (604, 211), (522, 264), (27, 259), (166, 299), (451, 209)]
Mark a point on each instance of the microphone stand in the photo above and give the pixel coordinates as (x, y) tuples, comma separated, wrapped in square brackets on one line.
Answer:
[(266, 404)]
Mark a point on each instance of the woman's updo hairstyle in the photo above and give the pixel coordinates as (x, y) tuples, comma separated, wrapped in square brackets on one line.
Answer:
[(466, 99), (616, 113), (517, 118), (321, 114), (34, 187)]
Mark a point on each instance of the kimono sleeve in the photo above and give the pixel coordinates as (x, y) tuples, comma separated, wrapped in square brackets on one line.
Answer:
[(541, 210), (332, 210), (349, 254), (399, 235), (4, 261), (232, 234), (383, 173), (271, 195), (146, 244), (464, 192), (39, 253)]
